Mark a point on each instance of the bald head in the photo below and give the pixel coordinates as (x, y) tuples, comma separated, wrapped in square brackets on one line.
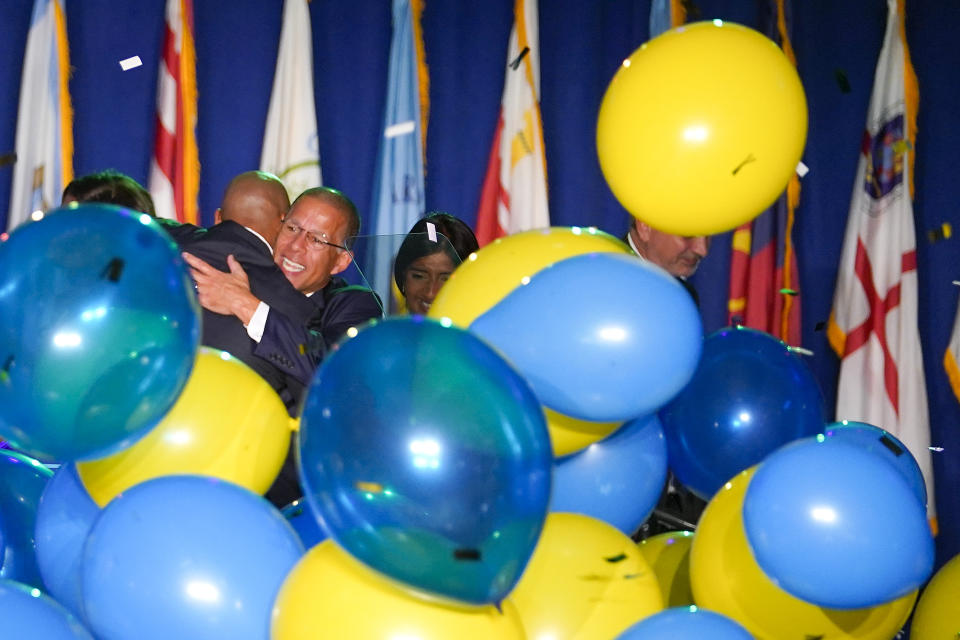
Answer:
[(257, 200)]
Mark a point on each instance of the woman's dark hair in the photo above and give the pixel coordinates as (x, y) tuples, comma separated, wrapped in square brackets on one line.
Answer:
[(417, 244), (111, 187)]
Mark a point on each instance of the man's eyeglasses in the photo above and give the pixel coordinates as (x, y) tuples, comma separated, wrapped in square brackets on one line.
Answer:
[(314, 241)]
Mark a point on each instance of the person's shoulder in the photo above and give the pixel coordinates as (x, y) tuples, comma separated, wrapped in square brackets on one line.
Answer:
[(181, 232), (339, 291)]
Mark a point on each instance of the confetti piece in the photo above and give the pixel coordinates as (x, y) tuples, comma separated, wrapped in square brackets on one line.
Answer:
[(516, 62), (8, 158), (944, 232), (369, 487), (842, 81), (130, 63), (935, 449), (801, 351), (802, 169), (618, 558), (399, 129), (894, 448), (466, 554), (746, 160), (820, 326), (789, 292), (113, 270), (432, 232), (956, 282)]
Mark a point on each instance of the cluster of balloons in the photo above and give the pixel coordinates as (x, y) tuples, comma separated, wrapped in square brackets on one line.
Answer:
[(476, 473)]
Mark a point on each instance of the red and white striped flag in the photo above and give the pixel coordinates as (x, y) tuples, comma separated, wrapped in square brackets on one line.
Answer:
[(175, 167), (873, 326), (514, 195)]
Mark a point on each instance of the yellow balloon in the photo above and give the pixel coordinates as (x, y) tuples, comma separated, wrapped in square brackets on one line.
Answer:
[(585, 580), (727, 579), (568, 434), (669, 555), (329, 594), (937, 616), (227, 423), (488, 275), (701, 128)]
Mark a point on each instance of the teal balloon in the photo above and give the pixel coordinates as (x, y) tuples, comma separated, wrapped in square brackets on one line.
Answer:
[(22, 481), (65, 516), (99, 326), (26, 612), (601, 337), (427, 457)]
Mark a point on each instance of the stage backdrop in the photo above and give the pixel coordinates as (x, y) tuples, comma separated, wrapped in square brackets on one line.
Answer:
[(581, 44)]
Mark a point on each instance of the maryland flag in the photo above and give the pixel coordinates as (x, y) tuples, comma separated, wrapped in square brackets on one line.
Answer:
[(764, 289), (514, 194), (873, 325)]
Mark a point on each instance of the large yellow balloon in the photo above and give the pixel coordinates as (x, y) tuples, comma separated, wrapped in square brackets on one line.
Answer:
[(669, 556), (494, 271), (490, 274), (227, 423), (701, 128), (329, 594), (727, 579), (585, 580), (938, 612)]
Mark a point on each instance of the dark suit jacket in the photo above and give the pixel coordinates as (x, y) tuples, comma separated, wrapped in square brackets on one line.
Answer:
[(267, 282), (337, 307)]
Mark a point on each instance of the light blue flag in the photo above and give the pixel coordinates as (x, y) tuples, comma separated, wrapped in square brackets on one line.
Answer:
[(660, 19), (398, 196)]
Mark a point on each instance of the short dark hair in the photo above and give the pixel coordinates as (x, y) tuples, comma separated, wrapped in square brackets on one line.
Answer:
[(343, 204), (417, 244), (110, 187)]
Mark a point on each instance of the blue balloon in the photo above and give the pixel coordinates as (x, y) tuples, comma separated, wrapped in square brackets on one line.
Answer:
[(617, 480), (884, 444), (99, 326), (427, 456), (305, 522), (186, 557), (837, 526), (65, 515), (22, 480), (749, 396), (623, 348), (686, 622), (27, 613)]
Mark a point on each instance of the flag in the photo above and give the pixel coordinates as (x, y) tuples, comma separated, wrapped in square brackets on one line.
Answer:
[(514, 194), (398, 195), (951, 359), (291, 149), (44, 141), (175, 167), (764, 290), (666, 14), (873, 324)]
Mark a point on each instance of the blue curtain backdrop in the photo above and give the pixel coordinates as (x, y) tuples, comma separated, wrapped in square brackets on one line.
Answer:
[(582, 42)]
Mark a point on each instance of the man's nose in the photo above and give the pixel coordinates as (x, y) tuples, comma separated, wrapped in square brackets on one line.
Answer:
[(699, 245)]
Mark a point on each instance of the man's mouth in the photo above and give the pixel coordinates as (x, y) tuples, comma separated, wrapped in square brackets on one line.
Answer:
[(290, 265)]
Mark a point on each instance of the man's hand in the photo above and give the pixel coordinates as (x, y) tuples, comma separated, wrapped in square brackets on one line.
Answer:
[(222, 292)]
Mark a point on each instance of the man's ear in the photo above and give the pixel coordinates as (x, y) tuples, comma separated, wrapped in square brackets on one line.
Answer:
[(343, 261), (218, 216), (643, 230)]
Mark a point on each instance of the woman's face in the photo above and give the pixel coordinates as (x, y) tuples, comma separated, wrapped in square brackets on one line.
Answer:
[(423, 280)]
